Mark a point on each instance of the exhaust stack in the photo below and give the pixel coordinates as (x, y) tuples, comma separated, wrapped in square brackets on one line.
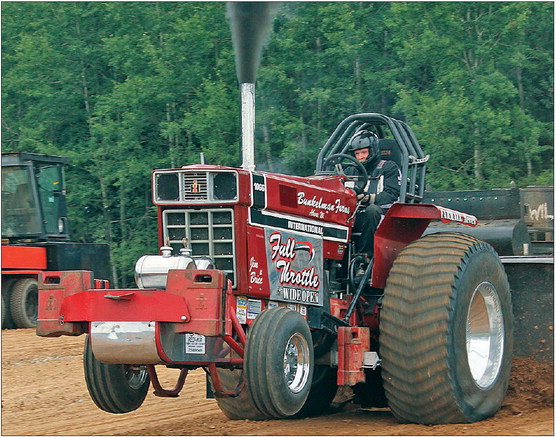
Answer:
[(248, 125), (250, 23)]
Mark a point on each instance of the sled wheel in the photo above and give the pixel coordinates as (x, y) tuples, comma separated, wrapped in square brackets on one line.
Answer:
[(446, 331), (242, 406), (115, 388), (323, 389), (279, 362), (24, 303)]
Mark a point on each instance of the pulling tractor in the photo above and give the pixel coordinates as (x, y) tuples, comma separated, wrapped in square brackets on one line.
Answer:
[(258, 283)]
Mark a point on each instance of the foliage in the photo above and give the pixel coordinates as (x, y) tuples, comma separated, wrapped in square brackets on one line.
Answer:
[(125, 87)]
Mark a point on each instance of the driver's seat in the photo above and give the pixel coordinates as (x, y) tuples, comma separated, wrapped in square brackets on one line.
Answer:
[(390, 151)]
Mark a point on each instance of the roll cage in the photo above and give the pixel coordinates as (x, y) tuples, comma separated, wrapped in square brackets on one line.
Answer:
[(397, 143)]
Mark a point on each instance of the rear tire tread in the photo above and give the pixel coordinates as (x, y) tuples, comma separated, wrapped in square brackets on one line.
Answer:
[(414, 321)]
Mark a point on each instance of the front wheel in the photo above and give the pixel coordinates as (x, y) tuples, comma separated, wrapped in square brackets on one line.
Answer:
[(279, 362), (446, 331), (242, 406), (115, 388), (323, 390)]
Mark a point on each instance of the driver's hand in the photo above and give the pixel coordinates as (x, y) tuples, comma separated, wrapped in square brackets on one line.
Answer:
[(366, 198)]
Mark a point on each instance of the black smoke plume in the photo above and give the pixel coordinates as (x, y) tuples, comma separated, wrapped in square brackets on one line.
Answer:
[(251, 23)]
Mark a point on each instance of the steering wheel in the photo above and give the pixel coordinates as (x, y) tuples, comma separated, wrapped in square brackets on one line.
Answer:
[(337, 162)]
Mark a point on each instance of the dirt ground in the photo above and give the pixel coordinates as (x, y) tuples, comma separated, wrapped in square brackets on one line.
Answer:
[(44, 393)]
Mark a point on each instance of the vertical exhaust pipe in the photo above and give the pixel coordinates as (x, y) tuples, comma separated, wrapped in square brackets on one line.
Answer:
[(248, 125), (250, 23)]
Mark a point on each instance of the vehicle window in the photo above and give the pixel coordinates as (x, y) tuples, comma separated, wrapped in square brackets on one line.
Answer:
[(20, 213), (50, 183)]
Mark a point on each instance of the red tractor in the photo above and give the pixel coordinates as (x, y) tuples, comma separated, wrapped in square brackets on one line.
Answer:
[(258, 284)]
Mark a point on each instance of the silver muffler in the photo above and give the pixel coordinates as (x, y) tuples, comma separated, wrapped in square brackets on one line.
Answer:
[(124, 342)]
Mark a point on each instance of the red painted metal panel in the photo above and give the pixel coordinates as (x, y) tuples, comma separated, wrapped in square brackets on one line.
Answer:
[(243, 241), (257, 269), (23, 257), (204, 294), (402, 224), (21, 272), (321, 197), (353, 342), (194, 300), (123, 306), (333, 249), (54, 287)]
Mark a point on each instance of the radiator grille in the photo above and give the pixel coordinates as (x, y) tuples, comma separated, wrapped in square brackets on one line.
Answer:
[(195, 186), (208, 233)]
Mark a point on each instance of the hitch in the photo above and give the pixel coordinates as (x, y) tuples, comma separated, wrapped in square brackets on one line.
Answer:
[(219, 391), (161, 392)]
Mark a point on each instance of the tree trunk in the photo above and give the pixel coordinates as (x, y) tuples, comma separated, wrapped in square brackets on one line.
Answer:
[(358, 93), (477, 165), (123, 226), (303, 133), (266, 141), (107, 226)]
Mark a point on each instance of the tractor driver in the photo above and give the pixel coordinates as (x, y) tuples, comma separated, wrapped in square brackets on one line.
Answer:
[(381, 191)]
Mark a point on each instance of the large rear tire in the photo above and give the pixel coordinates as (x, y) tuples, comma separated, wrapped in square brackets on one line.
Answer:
[(24, 303), (115, 388), (279, 362), (446, 331)]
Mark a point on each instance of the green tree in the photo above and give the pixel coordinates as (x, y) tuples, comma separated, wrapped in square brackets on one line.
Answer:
[(459, 97)]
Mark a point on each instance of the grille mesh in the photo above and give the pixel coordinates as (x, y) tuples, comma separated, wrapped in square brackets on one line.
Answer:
[(208, 233)]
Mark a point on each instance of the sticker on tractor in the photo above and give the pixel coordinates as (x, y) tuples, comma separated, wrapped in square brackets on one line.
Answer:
[(449, 215), (254, 308), (241, 309), (194, 344), (294, 267)]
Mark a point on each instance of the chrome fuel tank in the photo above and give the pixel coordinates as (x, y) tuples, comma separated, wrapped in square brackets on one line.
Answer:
[(151, 271)]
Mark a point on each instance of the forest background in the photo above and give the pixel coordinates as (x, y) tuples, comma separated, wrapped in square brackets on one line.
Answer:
[(123, 88)]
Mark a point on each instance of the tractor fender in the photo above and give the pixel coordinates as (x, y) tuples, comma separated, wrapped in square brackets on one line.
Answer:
[(402, 224)]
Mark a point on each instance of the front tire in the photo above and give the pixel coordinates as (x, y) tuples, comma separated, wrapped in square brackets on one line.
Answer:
[(115, 388), (446, 331), (242, 406), (323, 390), (279, 362)]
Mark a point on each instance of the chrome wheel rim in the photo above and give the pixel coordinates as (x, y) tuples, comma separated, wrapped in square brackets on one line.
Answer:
[(296, 363), (136, 377), (485, 335)]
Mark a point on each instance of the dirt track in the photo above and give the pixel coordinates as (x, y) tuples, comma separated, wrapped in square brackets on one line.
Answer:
[(44, 393)]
